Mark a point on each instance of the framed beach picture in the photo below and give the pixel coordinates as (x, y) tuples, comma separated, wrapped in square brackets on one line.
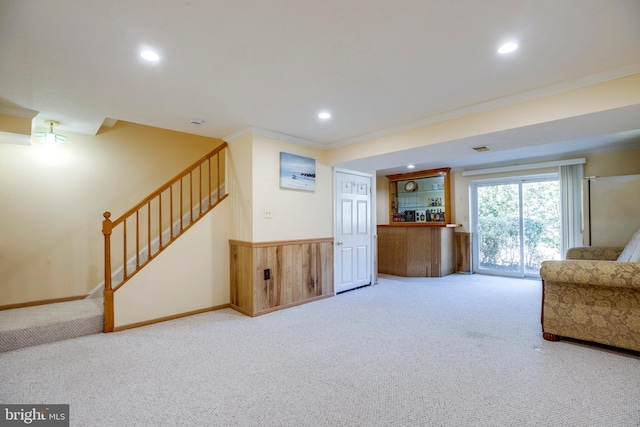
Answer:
[(297, 172)]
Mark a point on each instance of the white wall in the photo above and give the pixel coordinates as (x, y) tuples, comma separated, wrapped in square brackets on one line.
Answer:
[(296, 214), (615, 214), (382, 200), (615, 210), (240, 188), (191, 274)]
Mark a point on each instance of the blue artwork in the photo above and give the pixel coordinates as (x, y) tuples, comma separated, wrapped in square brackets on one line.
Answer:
[(297, 172)]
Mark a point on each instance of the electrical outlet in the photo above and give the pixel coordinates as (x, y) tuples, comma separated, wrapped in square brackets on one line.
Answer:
[(267, 213), (267, 274)]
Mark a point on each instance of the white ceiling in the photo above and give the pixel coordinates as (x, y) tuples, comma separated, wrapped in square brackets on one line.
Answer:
[(378, 66)]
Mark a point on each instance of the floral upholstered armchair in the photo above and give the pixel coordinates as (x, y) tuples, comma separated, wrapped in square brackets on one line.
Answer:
[(594, 295)]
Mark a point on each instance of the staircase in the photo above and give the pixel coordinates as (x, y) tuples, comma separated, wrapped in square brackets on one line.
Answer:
[(205, 189), (179, 226)]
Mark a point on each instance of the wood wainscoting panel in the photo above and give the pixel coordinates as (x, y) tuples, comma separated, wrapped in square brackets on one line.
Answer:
[(300, 271), (463, 253), (267, 293), (241, 277)]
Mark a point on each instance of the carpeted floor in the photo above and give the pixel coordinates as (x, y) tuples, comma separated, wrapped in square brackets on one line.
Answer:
[(457, 351)]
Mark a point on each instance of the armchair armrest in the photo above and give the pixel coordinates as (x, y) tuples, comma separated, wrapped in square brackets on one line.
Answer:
[(604, 253), (595, 273)]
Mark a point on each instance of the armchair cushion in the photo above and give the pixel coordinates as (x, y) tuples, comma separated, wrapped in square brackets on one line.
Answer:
[(592, 273), (603, 253)]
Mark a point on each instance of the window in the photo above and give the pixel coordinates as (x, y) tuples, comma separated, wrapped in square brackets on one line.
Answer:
[(515, 224)]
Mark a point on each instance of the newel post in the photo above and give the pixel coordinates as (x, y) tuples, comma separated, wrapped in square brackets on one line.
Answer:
[(108, 291)]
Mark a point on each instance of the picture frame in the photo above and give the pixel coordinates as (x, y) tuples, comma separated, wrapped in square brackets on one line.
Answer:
[(297, 172)]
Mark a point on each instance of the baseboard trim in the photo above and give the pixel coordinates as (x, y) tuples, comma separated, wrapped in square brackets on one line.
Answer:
[(41, 302), (172, 317), (280, 307)]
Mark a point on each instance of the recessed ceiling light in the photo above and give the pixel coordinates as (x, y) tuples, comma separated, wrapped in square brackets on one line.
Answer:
[(150, 55), (411, 166), (507, 47), (324, 115)]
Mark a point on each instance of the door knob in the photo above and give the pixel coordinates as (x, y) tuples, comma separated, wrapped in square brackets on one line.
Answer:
[(339, 243)]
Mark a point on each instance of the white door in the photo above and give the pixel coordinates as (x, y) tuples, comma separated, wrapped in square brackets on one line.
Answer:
[(353, 231)]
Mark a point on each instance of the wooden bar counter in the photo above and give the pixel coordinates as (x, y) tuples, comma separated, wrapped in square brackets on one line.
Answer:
[(416, 250)]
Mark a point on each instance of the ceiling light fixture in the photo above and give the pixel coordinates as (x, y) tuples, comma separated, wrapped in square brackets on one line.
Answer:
[(507, 48), (50, 138), (150, 55), (411, 166), (324, 115)]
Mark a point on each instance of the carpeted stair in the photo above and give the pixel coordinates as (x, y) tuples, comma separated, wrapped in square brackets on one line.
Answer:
[(25, 327)]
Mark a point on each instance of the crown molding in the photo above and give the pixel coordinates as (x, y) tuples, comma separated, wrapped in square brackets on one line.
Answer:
[(237, 135), (286, 137), (270, 134)]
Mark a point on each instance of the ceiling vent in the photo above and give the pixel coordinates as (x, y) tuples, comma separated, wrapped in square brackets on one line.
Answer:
[(481, 148)]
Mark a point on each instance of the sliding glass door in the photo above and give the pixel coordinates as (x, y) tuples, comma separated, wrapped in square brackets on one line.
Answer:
[(516, 224)]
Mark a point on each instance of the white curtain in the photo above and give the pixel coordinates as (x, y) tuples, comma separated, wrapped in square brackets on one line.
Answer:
[(571, 177)]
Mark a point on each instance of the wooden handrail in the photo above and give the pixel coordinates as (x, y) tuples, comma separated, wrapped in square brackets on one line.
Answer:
[(146, 248)]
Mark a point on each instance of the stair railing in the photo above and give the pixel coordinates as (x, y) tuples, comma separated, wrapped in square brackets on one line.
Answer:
[(154, 225)]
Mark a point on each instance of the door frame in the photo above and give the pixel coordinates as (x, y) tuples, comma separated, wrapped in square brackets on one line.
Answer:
[(372, 222)]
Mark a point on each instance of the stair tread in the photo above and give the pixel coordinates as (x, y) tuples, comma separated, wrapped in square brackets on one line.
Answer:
[(43, 315)]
